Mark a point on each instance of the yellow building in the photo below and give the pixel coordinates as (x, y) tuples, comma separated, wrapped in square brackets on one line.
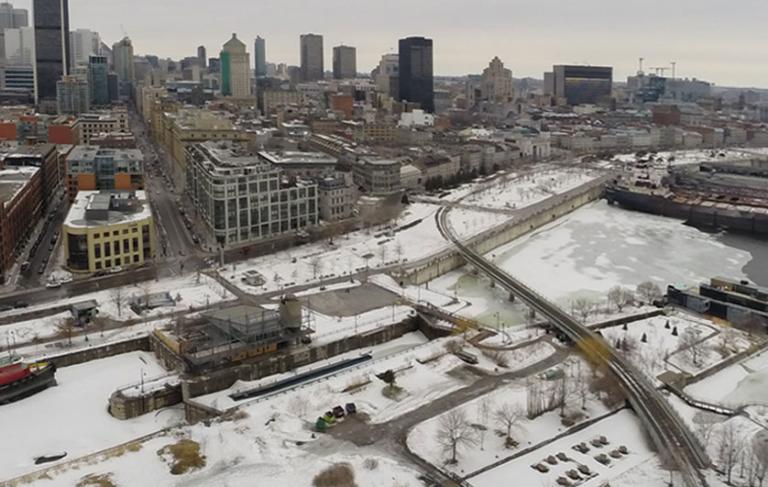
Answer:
[(106, 230)]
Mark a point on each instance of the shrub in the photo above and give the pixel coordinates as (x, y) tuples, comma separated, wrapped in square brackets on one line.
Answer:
[(337, 475)]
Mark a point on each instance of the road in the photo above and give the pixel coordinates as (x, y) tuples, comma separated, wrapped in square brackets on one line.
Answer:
[(668, 431)]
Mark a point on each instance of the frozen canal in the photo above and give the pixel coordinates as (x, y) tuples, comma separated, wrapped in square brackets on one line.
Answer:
[(599, 246)]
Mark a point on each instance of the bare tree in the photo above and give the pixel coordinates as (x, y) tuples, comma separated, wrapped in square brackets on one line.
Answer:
[(620, 297), (649, 292), (118, 300), (729, 447), (704, 428), (317, 266), (760, 457), (455, 432), (691, 346), (583, 307), (483, 415), (65, 328), (507, 416), (101, 324), (383, 254)]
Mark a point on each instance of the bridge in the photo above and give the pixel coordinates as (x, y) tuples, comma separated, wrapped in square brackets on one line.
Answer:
[(672, 438)]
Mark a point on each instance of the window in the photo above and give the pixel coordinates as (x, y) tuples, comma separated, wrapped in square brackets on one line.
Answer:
[(107, 250), (97, 251), (135, 259), (96, 235), (126, 246), (107, 263), (116, 247), (117, 261), (115, 233), (98, 266), (125, 231)]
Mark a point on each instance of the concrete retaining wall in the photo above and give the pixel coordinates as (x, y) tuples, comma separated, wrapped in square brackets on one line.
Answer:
[(87, 354), (538, 215)]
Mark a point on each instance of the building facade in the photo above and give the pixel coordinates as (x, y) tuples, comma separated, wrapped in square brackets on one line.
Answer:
[(52, 49), (378, 177), (72, 96), (260, 57), (496, 85), (98, 80), (312, 61), (105, 230), (416, 72), (344, 62), (242, 199), (84, 43), (235, 69), (579, 85), (21, 204), (91, 168), (122, 55), (89, 125)]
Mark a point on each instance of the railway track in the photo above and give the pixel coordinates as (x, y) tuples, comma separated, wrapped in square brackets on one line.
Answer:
[(671, 436)]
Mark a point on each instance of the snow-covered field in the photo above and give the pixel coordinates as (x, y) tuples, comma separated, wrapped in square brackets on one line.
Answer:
[(530, 189), (489, 434), (468, 223), (189, 291), (621, 429), (72, 417), (698, 345), (349, 254), (742, 384)]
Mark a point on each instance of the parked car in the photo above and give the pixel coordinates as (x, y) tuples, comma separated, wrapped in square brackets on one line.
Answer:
[(351, 408), (5, 307), (53, 285), (116, 269), (20, 304), (25, 266), (41, 270)]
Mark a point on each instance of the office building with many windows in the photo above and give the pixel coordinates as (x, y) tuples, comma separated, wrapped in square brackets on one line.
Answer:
[(242, 198), (416, 72), (96, 168), (51, 18)]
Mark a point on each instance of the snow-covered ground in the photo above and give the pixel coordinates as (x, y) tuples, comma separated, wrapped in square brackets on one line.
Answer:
[(255, 448), (489, 434), (530, 189), (189, 291), (468, 223), (664, 351), (349, 254), (72, 417), (621, 429), (742, 384), (695, 156)]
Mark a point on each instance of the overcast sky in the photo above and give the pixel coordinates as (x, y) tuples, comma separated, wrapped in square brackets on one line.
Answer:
[(721, 41)]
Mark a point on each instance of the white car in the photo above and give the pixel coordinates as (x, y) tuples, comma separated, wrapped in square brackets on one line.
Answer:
[(115, 270), (53, 285)]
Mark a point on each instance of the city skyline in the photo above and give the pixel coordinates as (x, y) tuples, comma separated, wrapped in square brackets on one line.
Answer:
[(722, 46)]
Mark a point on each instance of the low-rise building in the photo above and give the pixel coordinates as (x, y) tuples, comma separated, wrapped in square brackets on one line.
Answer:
[(109, 229), (93, 124), (242, 198), (92, 168), (21, 204), (439, 167), (337, 196), (378, 177), (411, 177)]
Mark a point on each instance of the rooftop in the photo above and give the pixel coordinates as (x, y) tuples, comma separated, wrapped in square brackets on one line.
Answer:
[(295, 157), (12, 180), (91, 152), (98, 208)]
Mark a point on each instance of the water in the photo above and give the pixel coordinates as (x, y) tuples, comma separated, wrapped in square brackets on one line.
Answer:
[(600, 246)]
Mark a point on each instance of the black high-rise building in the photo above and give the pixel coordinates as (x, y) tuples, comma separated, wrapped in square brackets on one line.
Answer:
[(51, 19), (416, 76)]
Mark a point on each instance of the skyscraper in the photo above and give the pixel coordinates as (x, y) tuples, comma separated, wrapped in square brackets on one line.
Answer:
[(497, 86), (11, 18), (202, 57), (98, 80), (84, 42), (312, 64), (344, 62), (260, 57), (123, 58), (387, 75), (416, 75), (235, 69), (51, 46)]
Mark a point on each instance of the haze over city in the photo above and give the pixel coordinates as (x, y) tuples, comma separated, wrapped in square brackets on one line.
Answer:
[(405, 244), (709, 39)]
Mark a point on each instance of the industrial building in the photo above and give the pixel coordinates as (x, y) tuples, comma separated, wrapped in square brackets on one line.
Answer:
[(579, 85), (105, 230)]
